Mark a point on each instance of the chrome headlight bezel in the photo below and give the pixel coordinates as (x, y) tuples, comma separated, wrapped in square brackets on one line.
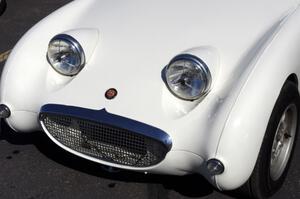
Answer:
[(201, 67), (76, 47)]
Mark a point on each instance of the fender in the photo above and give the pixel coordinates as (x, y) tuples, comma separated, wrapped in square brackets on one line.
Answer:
[(246, 124), (35, 82)]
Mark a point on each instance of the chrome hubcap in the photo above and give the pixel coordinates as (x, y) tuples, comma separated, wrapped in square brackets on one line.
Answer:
[(283, 141)]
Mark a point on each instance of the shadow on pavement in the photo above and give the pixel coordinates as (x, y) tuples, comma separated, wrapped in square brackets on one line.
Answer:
[(3, 6), (158, 186)]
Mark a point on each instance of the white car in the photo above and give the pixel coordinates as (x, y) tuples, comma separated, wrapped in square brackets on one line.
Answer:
[(169, 87)]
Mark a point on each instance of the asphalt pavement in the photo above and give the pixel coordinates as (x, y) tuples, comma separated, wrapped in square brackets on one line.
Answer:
[(32, 167)]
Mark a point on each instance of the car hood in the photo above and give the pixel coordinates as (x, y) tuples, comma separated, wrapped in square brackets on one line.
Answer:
[(141, 36), (137, 39)]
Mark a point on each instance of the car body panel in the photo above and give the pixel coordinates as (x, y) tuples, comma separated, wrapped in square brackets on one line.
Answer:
[(249, 117), (134, 41)]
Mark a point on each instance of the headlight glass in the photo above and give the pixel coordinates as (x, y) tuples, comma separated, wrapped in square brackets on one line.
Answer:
[(65, 55), (188, 77)]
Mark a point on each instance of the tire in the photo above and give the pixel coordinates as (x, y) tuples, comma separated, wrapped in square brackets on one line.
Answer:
[(277, 148), (1, 129)]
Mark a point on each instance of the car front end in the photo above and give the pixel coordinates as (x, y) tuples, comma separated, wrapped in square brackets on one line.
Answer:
[(150, 93)]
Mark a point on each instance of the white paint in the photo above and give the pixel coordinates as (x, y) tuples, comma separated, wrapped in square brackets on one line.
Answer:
[(256, 47)]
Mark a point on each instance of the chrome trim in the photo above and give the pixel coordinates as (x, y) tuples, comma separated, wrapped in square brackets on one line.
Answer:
[(202, 66), (102, 116), (77, 46), (215, 167)]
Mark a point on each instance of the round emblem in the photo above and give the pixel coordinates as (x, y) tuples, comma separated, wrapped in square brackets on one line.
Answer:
[(111, 93)]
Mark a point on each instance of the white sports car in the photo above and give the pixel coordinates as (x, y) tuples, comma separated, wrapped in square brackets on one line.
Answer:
[(170, 87)]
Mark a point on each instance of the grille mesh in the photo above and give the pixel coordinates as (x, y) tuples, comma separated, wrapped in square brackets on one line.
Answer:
[(104, 142)]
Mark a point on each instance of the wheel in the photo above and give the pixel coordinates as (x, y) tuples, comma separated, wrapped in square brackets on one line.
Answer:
[(277, 147)]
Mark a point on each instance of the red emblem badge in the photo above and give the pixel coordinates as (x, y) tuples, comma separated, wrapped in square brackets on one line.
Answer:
[(111, 93)]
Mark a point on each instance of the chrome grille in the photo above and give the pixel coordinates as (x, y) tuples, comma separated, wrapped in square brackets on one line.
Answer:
[(104, 142)]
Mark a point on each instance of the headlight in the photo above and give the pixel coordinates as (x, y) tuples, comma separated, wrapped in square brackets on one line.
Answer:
[(65, 55), (188, 77)]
